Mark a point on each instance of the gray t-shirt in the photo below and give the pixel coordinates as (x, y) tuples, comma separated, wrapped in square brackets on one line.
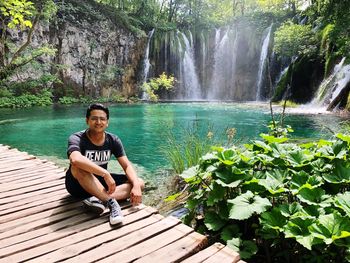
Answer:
[(100, 155)]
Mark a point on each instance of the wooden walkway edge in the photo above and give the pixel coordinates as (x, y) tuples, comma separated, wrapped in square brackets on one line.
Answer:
[(40, 222)]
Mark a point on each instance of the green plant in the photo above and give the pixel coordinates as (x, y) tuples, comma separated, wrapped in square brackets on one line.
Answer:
[(162, 82), (44, 98), (186, 152), (68, 100), (293, 39), (272, 200)]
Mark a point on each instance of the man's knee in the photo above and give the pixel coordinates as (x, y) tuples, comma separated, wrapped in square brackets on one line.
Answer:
[(79, 174)]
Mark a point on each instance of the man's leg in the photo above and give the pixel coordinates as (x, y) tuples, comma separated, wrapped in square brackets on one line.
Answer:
[(90, 184), (123, 189)]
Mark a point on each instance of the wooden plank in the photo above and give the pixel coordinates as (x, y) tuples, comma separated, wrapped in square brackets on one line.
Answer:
[(176, 251), (36, 216), (32, 188), (35, 207), (32, 196), (68, 241), (37, 224), (17, 167), (204, 254), (67, 236), (48, 176), (124, 242), (25, 173), (91, 238), (149, 245), (11, 160), (225, 255)]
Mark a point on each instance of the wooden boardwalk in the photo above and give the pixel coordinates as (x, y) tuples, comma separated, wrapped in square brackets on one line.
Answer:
[(40, 222)]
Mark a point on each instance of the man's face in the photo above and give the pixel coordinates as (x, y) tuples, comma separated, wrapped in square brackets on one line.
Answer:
[(97, 121)]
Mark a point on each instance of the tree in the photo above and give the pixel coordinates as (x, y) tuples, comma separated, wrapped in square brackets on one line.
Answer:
[(292, 39), (24, 16)]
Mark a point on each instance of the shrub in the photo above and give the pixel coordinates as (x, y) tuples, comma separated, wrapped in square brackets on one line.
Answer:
[(27, 100), (275, 201), (163, 82)]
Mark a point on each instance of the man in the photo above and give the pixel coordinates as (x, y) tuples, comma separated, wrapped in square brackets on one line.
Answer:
[(89, 152)]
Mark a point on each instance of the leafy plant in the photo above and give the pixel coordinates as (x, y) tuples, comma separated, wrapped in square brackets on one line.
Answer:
[(294, 39), (163, 82), (273, 200)]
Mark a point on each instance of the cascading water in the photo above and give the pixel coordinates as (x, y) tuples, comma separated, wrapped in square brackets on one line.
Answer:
[(325, 90), (189, 79), (262, 64), (146, 64), (211, 65), (222, 80)]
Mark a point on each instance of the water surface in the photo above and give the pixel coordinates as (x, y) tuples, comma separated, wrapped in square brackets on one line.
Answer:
[(143, 128)]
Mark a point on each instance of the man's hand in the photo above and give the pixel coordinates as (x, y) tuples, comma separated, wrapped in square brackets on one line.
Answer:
[(110, 183), (136, 195)]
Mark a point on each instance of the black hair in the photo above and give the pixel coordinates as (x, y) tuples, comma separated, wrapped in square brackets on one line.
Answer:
[(97, 106)]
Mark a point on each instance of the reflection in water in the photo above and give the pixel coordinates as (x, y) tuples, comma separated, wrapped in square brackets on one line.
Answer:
[(143, 127)]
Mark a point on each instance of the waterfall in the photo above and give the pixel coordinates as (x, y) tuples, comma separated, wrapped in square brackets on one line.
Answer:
[(329, 85), (222, 81), (211, 65), (189, 78), (146, 64), (262, 64)]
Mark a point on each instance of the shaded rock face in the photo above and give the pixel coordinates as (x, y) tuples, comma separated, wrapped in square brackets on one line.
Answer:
[(96, 56)]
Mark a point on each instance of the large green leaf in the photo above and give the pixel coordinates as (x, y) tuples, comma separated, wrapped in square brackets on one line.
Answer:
[(340, 174), (245, 248), (315, 196), (261, 146), (213, 222), (298, 158), (245, 205), (340, 149), (273, 139), (331, 228), (216, 194), (302, 180), (274, 182), (288, 210), (273, 219), (320, 165), (190, 174), (209, 157), (229, 157), (344, 137), (230, 232), (298, 228), (343, 202)]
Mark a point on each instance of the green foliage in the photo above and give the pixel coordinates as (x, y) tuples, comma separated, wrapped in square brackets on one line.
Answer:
[(271, 196), (293, 39), (68, 100), (163, 82), (187, 152), (44, 98), (16, 13)]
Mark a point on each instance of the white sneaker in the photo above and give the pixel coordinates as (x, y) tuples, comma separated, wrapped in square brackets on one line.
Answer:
[(94, 204), (115, 216)]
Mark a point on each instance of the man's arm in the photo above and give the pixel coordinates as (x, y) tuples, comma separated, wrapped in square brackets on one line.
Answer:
[(83, 163), (136, 190)]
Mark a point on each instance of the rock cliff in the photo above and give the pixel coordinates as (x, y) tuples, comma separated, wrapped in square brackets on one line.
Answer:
[(97, 54)]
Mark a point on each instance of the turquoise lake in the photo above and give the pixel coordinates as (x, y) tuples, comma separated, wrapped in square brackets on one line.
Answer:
[(143, 128)]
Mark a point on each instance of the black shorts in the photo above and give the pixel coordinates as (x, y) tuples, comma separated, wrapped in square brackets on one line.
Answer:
[(75, 189)]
